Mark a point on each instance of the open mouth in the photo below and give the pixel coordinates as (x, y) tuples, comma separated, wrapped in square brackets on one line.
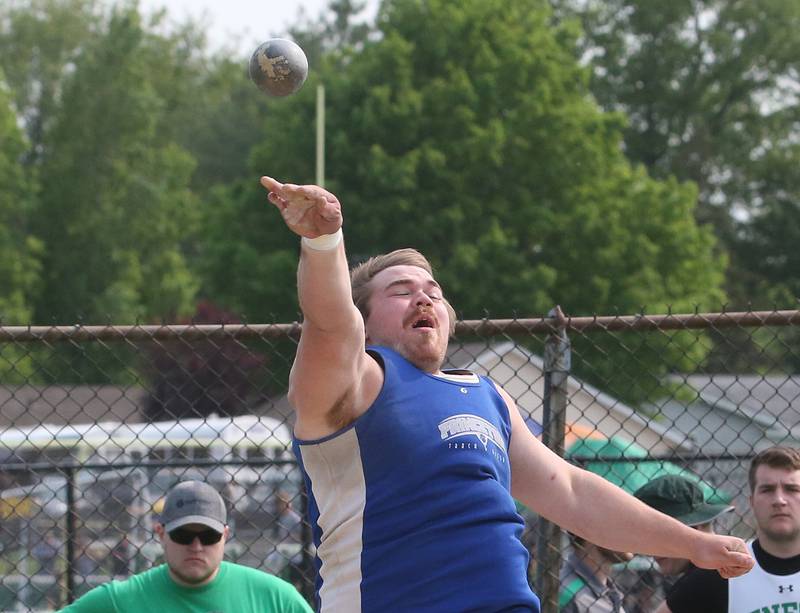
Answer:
[(423, 322)]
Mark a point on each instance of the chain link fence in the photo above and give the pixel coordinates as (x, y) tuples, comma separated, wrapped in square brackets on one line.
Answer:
[(98, 422)]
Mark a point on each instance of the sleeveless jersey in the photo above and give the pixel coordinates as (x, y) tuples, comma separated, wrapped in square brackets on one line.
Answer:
[(758, 591), (410, 504)]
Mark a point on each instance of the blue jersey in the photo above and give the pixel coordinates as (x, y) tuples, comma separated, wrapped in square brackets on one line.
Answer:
[(410, 505)]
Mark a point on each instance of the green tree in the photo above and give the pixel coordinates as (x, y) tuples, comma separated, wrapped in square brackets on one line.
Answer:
[(765, 250), (116, 213), (711, 89), (485, 136), (19, 252), (216, 118), (337, 29), (467, 130), (260, 292), (39, 41)]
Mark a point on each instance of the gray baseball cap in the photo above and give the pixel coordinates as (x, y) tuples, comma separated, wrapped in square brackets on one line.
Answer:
[(194, 502)]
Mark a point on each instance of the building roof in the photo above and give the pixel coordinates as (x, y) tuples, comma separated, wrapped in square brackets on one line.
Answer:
[(471, 355), (29, 405), (771, 401)]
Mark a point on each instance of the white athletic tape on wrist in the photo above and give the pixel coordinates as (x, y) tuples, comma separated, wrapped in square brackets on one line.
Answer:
[(326, 242)]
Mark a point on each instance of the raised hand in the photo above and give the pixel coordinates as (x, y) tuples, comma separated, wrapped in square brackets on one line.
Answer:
[(308, 210)]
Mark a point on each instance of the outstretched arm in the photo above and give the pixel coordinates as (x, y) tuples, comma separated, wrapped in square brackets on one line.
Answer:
[(602, 513), (332, 378)]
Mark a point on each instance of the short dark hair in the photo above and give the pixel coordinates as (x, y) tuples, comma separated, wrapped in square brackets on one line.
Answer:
[(775, 457)]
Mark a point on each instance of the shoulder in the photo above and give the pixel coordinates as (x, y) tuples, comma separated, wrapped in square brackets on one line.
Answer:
[(245, 572), (111, 596), (256, 576), (96, 600), (699, 590), (273, 591)]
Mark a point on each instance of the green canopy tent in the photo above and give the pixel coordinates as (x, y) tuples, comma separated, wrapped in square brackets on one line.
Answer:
[(625, 464)]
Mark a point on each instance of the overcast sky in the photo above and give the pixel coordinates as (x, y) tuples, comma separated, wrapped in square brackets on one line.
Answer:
[(244, 23)]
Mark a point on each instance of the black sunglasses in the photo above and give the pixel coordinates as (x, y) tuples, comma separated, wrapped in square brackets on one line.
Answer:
[(182, 536)]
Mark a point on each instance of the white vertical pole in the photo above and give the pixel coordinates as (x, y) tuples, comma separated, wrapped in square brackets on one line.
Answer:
[(321, 135)]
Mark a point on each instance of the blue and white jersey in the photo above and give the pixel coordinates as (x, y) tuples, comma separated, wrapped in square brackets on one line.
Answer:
[(410, 505)]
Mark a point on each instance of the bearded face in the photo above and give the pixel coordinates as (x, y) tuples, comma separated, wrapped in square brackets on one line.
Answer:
[(407, 313)]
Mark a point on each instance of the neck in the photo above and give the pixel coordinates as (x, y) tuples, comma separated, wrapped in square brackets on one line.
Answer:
[(426, 363), (780, 548), (180, 580)]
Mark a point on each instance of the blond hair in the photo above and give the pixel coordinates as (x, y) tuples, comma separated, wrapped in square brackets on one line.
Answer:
[(362, 274)]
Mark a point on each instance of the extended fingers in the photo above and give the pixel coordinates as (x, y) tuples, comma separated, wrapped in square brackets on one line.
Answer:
[(271, 184), (291, 191), (294, 202), (275, 192)]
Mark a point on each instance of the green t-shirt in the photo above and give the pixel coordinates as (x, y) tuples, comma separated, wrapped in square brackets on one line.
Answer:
[(235, 589)]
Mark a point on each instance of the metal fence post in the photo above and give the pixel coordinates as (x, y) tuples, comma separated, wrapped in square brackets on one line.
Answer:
[(71, 533), (307, 563), (557, 362)]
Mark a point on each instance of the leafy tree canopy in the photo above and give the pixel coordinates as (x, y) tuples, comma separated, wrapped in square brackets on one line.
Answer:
[(711, 90), (116, 226), (19, 252), (485, 151)]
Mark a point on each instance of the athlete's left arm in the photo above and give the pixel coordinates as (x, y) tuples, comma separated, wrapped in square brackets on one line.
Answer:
[(595, 509)]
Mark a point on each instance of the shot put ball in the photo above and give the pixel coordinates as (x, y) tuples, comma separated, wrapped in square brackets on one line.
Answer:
[(278, 67)]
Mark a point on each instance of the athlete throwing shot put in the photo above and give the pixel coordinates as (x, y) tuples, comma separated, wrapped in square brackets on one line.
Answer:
[(410, 469)]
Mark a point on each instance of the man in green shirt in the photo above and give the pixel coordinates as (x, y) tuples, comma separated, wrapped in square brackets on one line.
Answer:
[(194, 579)]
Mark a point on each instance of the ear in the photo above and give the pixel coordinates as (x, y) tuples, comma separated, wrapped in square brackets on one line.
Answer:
[(159, 530)]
